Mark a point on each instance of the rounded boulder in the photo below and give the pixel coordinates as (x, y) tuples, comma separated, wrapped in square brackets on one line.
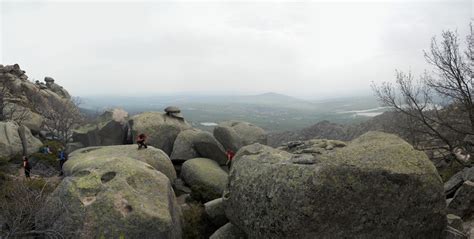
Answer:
[(205, 177), (152, 156), (236, 134), (377, 186), (113, 197), (193, 143), (161, 130)]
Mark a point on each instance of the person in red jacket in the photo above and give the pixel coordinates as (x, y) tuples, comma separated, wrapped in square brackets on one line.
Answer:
[(230, 155), (141, 141), (26, 166)]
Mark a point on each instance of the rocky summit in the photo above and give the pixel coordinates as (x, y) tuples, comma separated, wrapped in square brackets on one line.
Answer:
[(25, 97), (377, 186)]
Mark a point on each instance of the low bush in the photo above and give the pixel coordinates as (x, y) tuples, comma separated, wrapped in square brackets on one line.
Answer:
[(54, 146), (20, 204), (46, 159)]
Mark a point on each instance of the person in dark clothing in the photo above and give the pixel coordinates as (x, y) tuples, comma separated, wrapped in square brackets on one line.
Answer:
[(62, 159), (141, 141), (26, 166), (230, 155), (46, 150)]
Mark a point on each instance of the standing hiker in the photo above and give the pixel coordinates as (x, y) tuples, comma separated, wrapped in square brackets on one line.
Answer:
[(26, 166), (62, 159), (230, 155), (141, 141)]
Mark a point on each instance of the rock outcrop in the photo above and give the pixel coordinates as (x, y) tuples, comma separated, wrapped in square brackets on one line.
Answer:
[(26, 97), (16, 140), (152, 156), (314, 146), (160, 129), (193, 143), (235, 134), (205, 177), (462, 203), (59, 90), (113, 197), (377, 186), (111, 128), (455, 182)]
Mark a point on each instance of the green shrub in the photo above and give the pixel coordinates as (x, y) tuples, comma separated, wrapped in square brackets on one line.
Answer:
[(17, 159), (46, 159), (36, 183), (22, 204), (5, 167), (54, 146)]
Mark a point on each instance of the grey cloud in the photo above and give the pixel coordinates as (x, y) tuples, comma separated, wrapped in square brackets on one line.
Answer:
[(301, 49)]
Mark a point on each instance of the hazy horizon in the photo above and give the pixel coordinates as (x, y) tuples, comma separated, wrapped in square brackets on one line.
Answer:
[(308, 50), (191, 94)]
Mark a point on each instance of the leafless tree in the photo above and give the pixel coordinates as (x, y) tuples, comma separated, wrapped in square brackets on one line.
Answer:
[(61, 116), (22, 203), (439, 104)]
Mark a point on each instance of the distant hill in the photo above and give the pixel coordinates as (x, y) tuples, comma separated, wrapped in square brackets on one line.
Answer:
[(275, 100)]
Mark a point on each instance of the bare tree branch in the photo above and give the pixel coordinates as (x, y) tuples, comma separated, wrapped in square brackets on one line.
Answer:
[(438, 105)]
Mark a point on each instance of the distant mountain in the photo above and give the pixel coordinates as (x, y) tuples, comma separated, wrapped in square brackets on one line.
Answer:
[(274, 100)]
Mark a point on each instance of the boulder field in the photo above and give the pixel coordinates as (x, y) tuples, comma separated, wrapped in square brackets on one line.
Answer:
[(169, 132), (376, 186)]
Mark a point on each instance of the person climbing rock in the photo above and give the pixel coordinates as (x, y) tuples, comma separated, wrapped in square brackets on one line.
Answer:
[(26, 166), (230, 155), (141, 141)]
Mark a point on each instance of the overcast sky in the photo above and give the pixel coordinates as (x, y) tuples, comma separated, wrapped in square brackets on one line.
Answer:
[(306, 49)]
